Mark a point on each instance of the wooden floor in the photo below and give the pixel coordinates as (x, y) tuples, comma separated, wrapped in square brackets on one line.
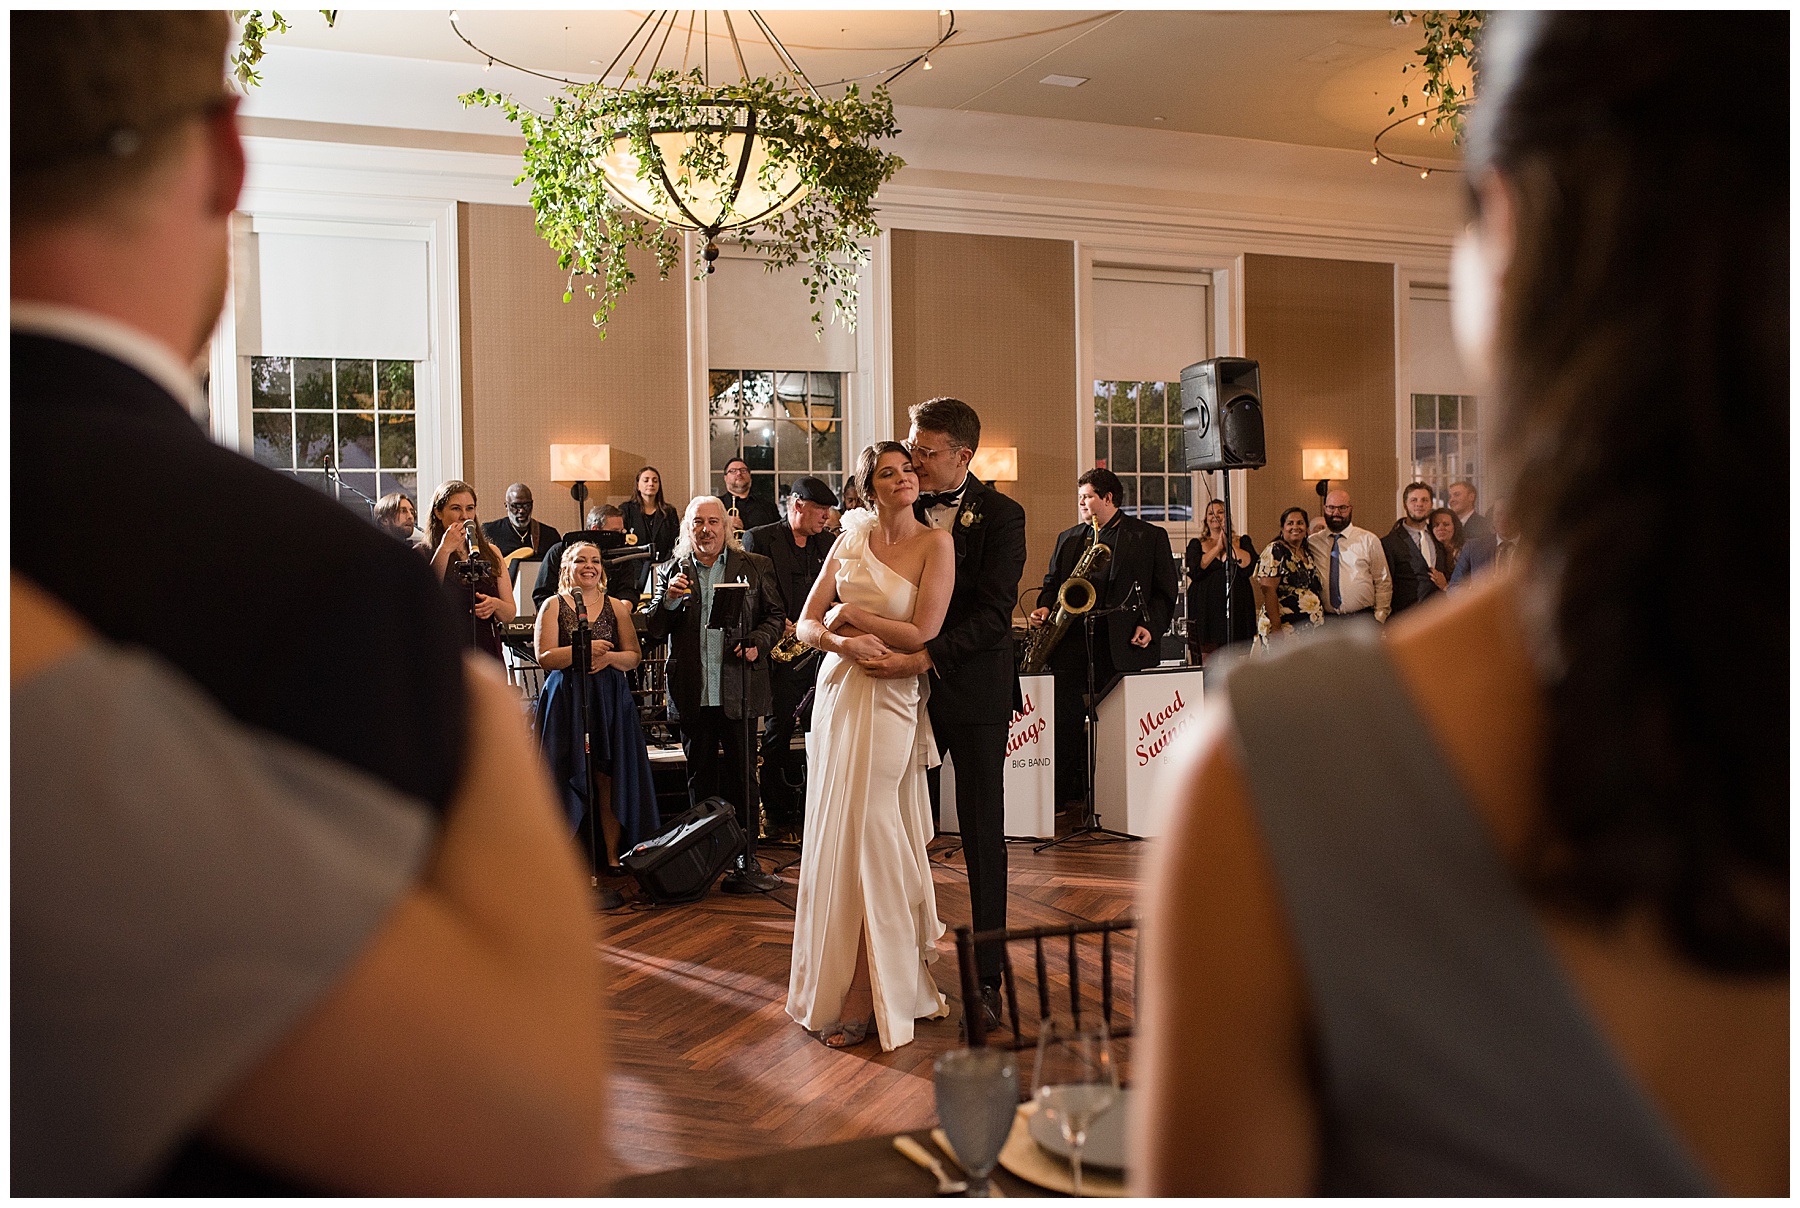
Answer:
[(707, 1065)]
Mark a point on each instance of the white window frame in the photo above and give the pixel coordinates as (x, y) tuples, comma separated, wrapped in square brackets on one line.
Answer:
[(437, 380)]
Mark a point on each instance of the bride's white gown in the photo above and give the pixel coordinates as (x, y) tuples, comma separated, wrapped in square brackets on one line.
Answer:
[(868, 818)]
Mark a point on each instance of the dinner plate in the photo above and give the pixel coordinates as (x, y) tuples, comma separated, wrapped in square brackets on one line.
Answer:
[(1031, 1162), (1105, 1146)]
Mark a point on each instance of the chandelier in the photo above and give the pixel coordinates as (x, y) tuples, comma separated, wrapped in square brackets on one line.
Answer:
[(674, 146)]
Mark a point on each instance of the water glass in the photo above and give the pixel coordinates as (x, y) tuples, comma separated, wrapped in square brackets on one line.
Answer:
[(977, 1096), (1075, 1079)]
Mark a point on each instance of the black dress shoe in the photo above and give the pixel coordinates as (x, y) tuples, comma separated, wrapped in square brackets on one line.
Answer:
[(990, 1007)]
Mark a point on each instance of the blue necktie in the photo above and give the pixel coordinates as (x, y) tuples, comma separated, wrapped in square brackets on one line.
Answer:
[(1337, 596)]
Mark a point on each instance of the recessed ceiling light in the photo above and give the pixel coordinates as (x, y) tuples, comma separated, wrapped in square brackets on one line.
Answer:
[(1062, 81)]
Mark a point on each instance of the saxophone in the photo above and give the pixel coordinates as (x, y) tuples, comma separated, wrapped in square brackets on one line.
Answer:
[(1076, 596)]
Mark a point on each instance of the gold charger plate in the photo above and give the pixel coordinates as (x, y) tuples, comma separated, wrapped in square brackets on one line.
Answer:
[(1027, 1159)]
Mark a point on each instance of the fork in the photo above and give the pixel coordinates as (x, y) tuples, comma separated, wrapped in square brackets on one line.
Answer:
[(918, 1153)]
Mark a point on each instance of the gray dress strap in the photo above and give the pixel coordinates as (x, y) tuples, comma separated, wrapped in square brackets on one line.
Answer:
[(1455, 1057)]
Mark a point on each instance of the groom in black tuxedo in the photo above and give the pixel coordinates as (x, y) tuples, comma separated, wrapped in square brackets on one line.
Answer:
[(974, 680)]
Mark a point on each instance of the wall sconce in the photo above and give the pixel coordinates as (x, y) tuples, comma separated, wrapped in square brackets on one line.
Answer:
[(580, 465), (995, 463), (1324, 463), (1324, 466)]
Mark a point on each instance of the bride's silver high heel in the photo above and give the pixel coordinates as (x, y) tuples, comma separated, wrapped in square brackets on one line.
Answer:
[(847, 1035)]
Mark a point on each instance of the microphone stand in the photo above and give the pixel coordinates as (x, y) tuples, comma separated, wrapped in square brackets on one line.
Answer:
[(341, 486), (581, 664), (1090, 827), (749, 878)]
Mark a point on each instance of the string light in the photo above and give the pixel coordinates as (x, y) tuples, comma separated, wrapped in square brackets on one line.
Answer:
[(1425, 174), (1421, 119), (927, 64), (489, 66), (452, 16), (1375, 159)]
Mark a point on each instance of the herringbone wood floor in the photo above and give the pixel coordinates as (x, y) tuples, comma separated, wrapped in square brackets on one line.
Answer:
[(707, 1065)]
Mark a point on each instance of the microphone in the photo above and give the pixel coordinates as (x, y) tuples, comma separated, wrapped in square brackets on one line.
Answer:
[(581, 617), (469, 535)]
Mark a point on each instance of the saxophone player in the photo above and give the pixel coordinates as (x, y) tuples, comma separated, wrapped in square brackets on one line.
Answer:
[(798, 546), (1123, 640)]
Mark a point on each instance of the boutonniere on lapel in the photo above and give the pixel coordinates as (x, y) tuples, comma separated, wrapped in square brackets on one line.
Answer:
[(971, 516)]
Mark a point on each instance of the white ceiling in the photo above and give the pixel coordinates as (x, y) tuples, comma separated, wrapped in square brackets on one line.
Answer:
[(1323, 79)]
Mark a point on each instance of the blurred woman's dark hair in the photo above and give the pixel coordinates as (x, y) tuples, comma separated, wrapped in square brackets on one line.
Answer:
[(1642, 336)]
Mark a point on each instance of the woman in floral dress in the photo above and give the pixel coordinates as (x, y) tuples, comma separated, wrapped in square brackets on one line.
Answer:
[(1286, 581)]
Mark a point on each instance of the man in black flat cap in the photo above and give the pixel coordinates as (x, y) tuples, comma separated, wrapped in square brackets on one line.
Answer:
[(798, 547)]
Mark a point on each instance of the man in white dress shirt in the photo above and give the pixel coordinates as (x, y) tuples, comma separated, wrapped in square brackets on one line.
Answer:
[(1351, 566)]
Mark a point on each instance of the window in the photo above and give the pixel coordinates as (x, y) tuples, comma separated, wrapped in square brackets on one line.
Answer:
[(785, 424), (360, 415), (1137, 435), (1446, 446)]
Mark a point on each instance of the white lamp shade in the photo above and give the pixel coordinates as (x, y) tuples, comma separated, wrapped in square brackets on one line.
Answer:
[(580, 463), (1324, 463), (995, 463), (705, 205)]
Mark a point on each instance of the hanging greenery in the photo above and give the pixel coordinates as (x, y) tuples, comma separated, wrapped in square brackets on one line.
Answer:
[(1449, 36), (254, 28), (828, 144)]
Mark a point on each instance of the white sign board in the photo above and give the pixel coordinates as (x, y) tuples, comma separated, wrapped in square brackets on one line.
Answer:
[(1136, 730), (1030, 767)]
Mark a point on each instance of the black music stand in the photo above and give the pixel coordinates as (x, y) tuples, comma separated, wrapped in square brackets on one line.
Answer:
[(1090, 827), (581, 665), (749, 877)]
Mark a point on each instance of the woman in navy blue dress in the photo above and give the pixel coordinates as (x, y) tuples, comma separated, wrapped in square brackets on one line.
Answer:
[(621, 760)]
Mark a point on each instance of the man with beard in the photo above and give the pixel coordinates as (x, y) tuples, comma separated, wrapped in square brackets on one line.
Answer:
[(1351, 565), (798, 547), (517, 530), (743, 511), (1415, 559)]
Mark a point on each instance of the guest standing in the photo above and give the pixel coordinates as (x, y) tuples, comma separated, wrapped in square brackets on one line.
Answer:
[(651, 522), (621, 758), (1287, 581), (1447, 531), (1351, 564), (1206, 568), (484, 601)]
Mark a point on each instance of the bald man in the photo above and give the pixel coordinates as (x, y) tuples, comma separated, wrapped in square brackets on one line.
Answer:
[(1351, 565), (517, 530)]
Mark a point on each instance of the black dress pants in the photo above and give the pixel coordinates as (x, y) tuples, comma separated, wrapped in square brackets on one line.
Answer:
[(1069, 665), (704, 734), (979, 753), (783, 768)]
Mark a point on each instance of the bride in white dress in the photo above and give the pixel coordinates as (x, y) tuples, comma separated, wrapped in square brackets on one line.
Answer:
[(866, 922)]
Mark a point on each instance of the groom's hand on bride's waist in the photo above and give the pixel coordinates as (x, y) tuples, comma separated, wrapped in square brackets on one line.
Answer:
[(894, 665)]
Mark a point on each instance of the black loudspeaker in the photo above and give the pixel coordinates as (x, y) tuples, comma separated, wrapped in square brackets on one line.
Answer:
[(1221, 414), (681, 862)]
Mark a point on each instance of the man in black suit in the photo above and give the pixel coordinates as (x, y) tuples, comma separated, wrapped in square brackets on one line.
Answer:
[(974, 678), (1139, 579), (517, 530), (718, 677), (1463, 500), (797, 547), (1418, 563), (742, 509)]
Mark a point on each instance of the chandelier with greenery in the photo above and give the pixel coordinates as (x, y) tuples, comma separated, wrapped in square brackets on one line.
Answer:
[(772, 161)]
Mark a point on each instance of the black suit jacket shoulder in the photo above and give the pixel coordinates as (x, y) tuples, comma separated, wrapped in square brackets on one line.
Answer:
[(307, 632), (974, 674), (1412, 577)]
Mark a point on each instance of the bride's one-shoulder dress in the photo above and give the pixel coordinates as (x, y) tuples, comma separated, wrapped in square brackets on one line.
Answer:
[(868, 818)]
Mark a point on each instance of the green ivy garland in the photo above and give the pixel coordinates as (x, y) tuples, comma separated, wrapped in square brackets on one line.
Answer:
[(828, 143), (255, 27), (1449, 36)]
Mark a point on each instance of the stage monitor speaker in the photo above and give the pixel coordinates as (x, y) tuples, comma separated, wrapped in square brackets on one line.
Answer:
[(681, 862), (1221, 414)]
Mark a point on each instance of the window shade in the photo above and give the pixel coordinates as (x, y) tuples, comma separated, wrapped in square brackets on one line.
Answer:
[(338, 296)]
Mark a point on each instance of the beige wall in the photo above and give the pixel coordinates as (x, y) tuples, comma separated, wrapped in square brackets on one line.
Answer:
[(1323, 331), (991, 320), (536, 372)]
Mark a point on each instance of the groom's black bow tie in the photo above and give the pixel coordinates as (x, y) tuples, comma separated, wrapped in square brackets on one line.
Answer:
[(944, 499)]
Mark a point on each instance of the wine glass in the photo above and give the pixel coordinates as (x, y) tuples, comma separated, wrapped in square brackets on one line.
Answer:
[(1075, 1079), (977, 1097)]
